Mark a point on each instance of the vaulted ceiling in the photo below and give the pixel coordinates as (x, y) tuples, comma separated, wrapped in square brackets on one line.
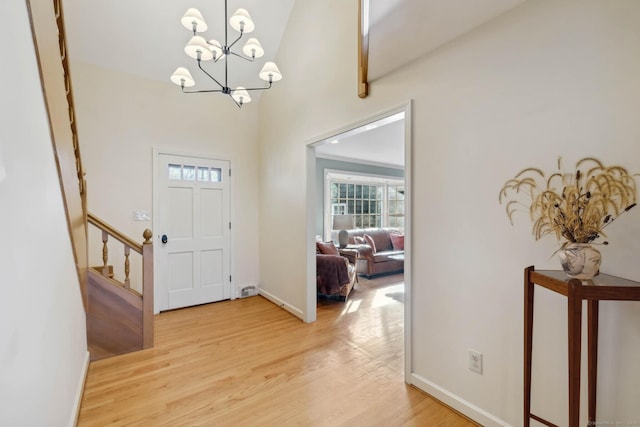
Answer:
[(145, 38), (401, 31)]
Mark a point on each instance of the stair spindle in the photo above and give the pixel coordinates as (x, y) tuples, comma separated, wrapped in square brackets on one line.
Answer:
[(127, 282), (105, 254)]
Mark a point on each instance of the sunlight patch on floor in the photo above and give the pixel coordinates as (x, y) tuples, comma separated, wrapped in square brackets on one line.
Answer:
[(388, 295), (351, 306)]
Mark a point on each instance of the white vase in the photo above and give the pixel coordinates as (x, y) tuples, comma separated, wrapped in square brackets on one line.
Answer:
[(580, 260)]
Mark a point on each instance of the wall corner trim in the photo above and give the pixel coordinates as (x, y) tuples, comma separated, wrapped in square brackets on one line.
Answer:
[(468, 409), (75, 413), (282, 304)]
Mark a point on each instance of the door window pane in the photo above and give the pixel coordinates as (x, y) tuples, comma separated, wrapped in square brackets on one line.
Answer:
[(175, 172), (189, 173), (216, 175), (193, 173), (203, 174)]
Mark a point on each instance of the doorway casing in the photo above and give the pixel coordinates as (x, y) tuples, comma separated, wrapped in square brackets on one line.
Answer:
[(158, 305), (310, 309)]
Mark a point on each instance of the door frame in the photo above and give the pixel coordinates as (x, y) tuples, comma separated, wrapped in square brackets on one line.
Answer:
[(311, 202), (159, 294)]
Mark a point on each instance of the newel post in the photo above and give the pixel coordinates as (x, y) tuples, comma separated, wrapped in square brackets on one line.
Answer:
[(147, 290)]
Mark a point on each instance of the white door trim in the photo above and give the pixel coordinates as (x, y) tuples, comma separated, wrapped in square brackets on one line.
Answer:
[(159, 295), (311, 296)]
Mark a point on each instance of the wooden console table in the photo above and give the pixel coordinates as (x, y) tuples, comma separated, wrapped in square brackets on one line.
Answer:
[(601, 287)]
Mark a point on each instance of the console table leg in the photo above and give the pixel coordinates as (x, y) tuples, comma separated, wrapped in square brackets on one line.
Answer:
[(575, 326), (592, 344), (528, 344)]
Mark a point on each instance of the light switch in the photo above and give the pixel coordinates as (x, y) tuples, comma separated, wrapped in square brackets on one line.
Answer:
[(141, 215)]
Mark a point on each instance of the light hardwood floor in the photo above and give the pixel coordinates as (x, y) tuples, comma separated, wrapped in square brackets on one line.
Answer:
[(249, 363)]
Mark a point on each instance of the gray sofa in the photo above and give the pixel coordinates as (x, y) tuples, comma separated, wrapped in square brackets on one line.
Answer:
[(370, 263)]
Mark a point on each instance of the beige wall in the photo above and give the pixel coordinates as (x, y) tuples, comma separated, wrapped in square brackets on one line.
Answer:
[(547, 79), (43, 349), (318, 95), (121, 118)]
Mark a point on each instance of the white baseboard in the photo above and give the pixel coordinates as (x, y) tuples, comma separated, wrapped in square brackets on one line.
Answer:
[(282, 304), (456, 402), (75, 413)]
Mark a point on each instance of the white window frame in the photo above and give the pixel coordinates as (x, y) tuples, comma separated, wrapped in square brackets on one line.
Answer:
[(331, 175)]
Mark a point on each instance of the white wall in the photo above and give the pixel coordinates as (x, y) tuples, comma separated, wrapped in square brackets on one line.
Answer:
[(300, 109), (43, 350), (121, 118), (549, 78)]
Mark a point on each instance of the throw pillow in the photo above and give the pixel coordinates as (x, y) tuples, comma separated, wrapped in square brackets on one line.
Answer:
[(369, 241), (359, 240), (327, 248), (397, 240)]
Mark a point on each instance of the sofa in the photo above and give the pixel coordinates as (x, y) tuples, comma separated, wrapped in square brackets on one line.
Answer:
[(336, 274), (380, 250)]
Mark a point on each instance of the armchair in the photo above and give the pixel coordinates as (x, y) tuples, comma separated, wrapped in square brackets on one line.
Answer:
[(336, 272)]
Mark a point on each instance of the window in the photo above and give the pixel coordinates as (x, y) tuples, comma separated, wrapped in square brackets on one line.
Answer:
[(395, 203), (338, 208), (189, 173), (364, 201), (194, 173), (372, 200)]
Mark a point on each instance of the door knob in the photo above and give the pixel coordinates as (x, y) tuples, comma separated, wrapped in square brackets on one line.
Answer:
[(164, 239)]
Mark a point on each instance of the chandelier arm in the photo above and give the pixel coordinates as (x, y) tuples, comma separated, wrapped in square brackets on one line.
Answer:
[(259, 88), (236, 40), (234, 101), (241, 56), (210, 76), (202, 91)]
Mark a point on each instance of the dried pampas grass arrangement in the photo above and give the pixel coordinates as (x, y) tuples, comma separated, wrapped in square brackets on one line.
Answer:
[(575, 207)]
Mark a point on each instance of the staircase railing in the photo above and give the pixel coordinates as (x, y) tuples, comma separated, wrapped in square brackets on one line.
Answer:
[(109, 324), (119, 315), (47, 26)]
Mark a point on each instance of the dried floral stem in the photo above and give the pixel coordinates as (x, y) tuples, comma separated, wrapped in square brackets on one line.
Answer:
[(575, 207)]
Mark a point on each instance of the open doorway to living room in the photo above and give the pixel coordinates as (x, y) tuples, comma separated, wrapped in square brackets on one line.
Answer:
[(361, 225)]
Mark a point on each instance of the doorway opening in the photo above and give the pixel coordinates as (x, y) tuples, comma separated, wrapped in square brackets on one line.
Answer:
[(361, 173)]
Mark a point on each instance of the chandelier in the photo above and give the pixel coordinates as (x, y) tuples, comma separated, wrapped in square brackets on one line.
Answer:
[(202, 50)]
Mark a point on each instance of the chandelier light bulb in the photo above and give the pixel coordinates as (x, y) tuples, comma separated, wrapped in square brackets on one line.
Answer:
[(270, 72), (197, 48), (241, 96), (216, 49), (241, 21), (193, 21), (182, 77), (253, 49)]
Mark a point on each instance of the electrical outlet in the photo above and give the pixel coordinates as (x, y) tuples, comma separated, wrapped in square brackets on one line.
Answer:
[(475, 361)]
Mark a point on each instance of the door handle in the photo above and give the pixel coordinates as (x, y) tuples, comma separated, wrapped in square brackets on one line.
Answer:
[(164, 239)]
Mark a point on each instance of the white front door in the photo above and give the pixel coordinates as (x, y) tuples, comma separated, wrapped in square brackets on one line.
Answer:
[(193, 231)]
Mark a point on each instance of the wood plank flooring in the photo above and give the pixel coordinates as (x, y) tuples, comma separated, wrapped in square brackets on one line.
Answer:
[(249, 363)]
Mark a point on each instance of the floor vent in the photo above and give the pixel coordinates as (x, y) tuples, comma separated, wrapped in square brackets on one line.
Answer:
[(248, 291)]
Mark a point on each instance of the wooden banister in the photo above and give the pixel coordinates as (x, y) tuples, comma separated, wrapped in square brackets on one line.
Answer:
[(120, 322), (102, 225), (147, 290)]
